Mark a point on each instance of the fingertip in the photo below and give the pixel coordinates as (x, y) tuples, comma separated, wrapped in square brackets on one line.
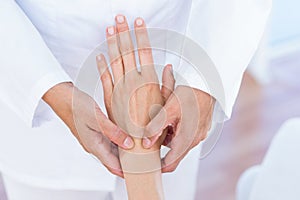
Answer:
[(128, 143), (117, 173), (139, 22), (120, 18), (164, 167), (169, 68), (121, 23), (120, 174), (110, 31), (146, 143), (168, 168), (101, 63), (100, 57)]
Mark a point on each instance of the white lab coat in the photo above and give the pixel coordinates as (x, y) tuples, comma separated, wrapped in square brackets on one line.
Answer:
[(45, 42)]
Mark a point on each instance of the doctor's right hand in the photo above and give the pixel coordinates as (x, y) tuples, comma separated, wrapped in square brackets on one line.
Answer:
[(95, 132)]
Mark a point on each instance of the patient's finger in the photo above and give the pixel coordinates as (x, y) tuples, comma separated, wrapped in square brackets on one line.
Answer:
[(114, 54), (126, 45), (144, 48), (168, 82), (106, 80)]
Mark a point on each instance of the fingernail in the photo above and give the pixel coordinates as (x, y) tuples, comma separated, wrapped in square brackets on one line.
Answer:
[(111, 30), (139, 22), (171, 68), (128, 143), (99, 58), (120, 19), (146, 142)]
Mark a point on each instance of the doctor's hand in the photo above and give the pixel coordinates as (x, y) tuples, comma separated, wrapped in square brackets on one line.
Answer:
[(89, 125), (189, 111)]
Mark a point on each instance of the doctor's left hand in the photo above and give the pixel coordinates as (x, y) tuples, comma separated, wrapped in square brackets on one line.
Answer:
[(95, 132), (189, 111)]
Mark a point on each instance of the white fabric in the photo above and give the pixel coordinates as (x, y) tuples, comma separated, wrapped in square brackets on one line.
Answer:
[(278, 177), (28, 67), (45, 42), (19, 191), (51, 37), (48, 158), (229, 31)]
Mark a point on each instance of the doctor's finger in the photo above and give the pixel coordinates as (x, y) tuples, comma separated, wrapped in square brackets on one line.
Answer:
[(171, 161), (106, 80), (114, 54), (168, 82), (126, 45), (179, 150), (102, 149), (144, 48), (113, 132), (184, 139), (155, 128)]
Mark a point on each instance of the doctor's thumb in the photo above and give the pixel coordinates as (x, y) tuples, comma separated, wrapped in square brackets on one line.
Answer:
[(155, 128)]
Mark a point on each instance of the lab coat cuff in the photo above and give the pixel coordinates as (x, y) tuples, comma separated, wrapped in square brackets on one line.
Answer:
[(189, 77), (41, 87)]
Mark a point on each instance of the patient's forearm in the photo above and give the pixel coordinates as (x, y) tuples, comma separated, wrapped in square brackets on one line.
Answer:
[(142, 171)]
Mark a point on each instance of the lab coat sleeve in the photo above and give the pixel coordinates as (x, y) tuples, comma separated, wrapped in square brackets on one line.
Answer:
[(229, 32), (27, 67)]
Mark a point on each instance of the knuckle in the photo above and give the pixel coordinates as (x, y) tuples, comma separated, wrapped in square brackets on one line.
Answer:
[(127, 48), (105, 78), (146, 51), (115, 135), (116, 61), (112, 41)]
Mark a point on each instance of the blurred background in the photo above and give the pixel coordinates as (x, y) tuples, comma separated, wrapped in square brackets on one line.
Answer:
[(269, 95)]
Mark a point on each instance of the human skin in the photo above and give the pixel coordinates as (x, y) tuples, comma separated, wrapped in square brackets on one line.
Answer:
[(189, 111), (95, 131), (131, 100), (89, 125)]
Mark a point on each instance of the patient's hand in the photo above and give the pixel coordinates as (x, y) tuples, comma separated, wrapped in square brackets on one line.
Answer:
[(132, 100), (134, 97)]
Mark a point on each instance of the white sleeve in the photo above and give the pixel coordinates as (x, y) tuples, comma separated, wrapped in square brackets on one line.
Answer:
[(229, 32), (27, 66)]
